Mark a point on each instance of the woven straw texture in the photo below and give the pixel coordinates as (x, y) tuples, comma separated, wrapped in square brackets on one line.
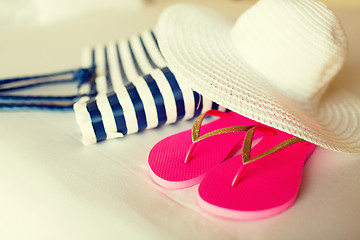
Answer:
[(231, 64)]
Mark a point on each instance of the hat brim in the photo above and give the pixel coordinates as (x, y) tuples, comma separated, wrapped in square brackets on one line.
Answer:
[(197, 45)]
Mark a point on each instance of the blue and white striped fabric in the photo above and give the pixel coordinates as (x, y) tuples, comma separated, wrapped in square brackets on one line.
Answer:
[(118, 62), (136, 91)]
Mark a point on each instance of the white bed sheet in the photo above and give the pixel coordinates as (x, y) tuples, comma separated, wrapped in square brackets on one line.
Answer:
[(53, 187)]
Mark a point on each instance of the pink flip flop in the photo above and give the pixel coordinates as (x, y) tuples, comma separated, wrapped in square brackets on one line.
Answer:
[(183, 159), (257, 189)]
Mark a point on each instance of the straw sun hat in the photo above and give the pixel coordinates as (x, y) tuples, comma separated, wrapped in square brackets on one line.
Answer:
[(274, 65)]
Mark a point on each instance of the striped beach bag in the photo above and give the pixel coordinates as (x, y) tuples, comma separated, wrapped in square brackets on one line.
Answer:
[(123, 87)]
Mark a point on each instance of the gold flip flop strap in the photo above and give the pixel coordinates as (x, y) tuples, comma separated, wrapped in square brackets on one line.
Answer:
[(195, 133), (247, 146)]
